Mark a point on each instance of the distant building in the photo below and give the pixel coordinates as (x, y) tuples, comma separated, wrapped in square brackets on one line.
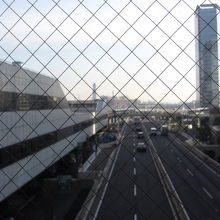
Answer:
[(121, 102), (207, 78), (88, 106)]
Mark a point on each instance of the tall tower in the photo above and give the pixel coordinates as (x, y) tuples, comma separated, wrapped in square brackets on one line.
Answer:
[(94, 91), (207, 78)]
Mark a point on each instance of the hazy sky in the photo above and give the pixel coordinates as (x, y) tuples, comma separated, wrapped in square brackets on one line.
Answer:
[(123, 46)]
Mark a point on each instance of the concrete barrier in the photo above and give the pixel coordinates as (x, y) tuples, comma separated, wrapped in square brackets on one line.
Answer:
[(176, 204), (204, 157)]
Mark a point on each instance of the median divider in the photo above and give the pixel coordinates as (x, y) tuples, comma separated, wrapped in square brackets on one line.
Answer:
[(176, 204)]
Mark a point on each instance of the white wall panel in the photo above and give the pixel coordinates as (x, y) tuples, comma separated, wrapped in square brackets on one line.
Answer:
[(19, 173), (19, 126)]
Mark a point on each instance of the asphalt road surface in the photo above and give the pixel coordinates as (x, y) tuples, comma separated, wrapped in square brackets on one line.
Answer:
[(134, 190), (197, 186)]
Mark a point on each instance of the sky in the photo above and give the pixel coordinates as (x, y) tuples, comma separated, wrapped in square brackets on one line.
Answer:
[(139, 49)]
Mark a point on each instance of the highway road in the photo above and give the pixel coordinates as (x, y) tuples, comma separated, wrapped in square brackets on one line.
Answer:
[(197, 185), (134, 190)]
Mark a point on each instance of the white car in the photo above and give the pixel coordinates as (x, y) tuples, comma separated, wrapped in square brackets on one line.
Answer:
[(153, 131), (140, 134)]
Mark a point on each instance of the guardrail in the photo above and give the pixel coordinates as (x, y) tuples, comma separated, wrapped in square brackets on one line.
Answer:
[(202, 156), (177, 206)]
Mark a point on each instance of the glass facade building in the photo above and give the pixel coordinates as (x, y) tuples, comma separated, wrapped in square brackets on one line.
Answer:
[(207, 74)]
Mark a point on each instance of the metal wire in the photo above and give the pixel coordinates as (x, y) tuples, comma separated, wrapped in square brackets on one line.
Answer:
[(70, 142)]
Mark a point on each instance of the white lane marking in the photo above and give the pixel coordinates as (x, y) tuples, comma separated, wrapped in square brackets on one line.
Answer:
[(133, 150), (179, 159), (135, 216), (135, 190), (197, 158), (134, 159), (207, 192), (190, 172), (134, 171)]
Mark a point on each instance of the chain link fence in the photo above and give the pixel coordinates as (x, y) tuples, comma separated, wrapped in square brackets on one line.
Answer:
[(109, 109)]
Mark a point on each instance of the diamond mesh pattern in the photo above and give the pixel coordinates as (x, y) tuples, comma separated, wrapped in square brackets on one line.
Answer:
[(103, 71)]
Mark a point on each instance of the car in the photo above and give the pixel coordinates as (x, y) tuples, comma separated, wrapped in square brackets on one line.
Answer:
[(136, 120), (164, 130), (138, 128), (153, 131), (140, 134), (141, 147)]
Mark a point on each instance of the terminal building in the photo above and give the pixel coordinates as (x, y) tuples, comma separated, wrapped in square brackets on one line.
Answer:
[(37, 125)]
